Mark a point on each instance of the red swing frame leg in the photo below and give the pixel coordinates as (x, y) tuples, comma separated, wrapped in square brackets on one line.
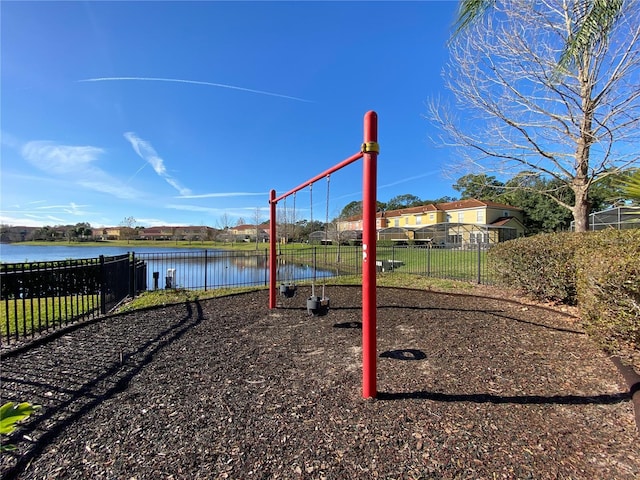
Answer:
[(369, 153)]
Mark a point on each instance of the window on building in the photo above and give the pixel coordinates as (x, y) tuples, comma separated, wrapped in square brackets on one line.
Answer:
[(396, 222), (432, 216), (480, 216), (419, 220), (478, 237), (448, 217), (460, 217)]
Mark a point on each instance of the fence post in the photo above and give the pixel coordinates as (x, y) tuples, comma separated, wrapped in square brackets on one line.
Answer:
[(103, 282), (132, 274), (479, 262), (205, 269), (315, 265), (393, 256)]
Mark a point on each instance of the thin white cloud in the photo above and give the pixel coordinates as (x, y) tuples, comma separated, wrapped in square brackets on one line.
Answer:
[(72, 208), (75, 164), (146, 151), (193, 82), (60, 159), (225, 195), (409, 179), (196, 208)]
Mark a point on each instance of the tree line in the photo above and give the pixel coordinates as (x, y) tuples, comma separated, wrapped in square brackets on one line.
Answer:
[(542, 212)]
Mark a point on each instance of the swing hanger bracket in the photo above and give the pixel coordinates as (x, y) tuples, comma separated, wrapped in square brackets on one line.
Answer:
[(370, 147)]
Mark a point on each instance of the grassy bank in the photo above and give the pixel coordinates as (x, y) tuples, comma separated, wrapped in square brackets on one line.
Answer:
[(36, 314), (165, 297)]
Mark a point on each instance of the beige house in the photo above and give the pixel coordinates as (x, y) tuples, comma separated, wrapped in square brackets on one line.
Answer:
[(108, 233), (247, 233), (463, 223)]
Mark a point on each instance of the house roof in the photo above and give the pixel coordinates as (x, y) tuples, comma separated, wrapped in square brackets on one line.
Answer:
[(412, 210), (502, 221), (474, 203), (439, 207)]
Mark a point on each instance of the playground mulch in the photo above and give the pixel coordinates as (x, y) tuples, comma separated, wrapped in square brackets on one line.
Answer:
[(468, 387)]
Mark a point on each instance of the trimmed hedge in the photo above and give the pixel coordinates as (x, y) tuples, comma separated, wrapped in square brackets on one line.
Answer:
[(598, 271), (608, 285), (542, 266)]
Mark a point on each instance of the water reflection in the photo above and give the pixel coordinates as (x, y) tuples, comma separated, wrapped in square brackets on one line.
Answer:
[(216, 269)]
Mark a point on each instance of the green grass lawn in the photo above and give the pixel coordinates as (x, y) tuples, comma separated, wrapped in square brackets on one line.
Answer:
[(22, 316)]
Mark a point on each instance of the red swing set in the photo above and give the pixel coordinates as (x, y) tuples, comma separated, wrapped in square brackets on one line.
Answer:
[(369, 153)]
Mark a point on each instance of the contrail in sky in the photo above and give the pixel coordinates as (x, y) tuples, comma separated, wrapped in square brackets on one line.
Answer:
[(192, 82)]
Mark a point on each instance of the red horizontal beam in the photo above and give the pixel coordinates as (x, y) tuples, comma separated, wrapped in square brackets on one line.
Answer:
[(320, 176)]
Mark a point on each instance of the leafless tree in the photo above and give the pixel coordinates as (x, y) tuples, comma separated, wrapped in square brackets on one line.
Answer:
[(128, 228), (575, 122), (224, 221), (288, 219), (257, 220)]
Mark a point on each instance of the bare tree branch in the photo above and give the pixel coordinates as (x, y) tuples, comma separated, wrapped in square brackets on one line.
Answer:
[(519, 112)]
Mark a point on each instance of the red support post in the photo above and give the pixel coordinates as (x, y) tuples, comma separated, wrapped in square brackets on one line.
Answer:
[(272, 249), (369, 152), (369, 206)]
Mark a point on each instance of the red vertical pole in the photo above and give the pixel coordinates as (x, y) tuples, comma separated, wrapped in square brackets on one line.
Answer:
[(369, 179), (272, 249)]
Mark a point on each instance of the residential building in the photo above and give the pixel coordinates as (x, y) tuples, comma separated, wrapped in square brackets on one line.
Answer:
[(460, 223), (246, 233)]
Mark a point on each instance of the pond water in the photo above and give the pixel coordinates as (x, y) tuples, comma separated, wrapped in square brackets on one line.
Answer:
[(188, 268), (18, 252)]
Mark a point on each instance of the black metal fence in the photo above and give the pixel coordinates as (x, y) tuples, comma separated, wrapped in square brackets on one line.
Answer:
[(43, 296)]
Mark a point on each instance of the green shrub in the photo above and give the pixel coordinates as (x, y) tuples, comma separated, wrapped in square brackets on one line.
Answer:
[(542, 266), (608, 288), (600, 271)]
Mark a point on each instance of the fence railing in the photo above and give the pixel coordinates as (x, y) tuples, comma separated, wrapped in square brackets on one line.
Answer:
[(43, 296)]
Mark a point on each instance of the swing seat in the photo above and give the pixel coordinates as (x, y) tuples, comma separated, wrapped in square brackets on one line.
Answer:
[(317, 306), (287, 290)]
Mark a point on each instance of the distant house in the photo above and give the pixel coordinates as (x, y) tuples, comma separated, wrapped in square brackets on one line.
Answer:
[(246, 233), (459, 223), (159, 233), (107, 233), (193, 232)]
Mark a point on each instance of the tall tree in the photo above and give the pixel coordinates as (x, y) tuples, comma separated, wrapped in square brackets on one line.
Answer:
[(551, 87), (403, 201), (352, 209), (541, 212), (481, 187)]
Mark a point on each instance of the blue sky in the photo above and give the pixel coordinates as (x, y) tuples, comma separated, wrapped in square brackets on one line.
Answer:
[(187, 113)]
